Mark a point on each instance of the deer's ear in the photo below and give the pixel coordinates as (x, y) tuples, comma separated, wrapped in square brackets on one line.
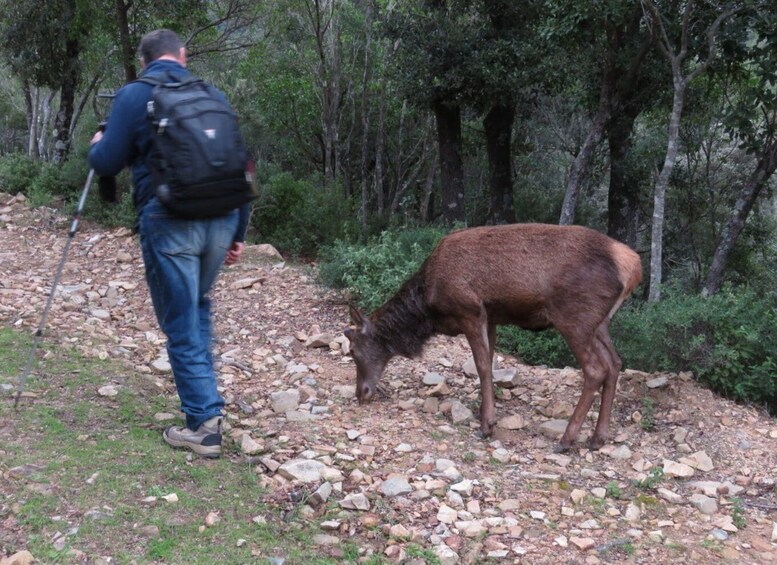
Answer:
[(357, 317)]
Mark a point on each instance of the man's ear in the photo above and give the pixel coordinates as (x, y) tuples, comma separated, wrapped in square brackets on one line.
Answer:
[(182, 56)]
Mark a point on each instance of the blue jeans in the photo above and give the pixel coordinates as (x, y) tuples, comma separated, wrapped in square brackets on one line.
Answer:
[(182, 258)]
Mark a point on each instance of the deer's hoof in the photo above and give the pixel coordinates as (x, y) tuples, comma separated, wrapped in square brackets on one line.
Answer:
[(596, 443), (560, 448)]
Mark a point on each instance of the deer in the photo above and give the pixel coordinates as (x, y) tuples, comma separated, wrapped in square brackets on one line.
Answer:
[(534, 276)]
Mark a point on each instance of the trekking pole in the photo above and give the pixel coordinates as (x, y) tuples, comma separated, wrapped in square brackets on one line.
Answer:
[(41, 325)]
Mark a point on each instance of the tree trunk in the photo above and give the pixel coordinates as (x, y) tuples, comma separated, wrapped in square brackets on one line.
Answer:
[(127, 52), (380, 144), (731, 232), (82, 104), (365, 121), (43, 125), (451, 166), (67, 96), (659, 198), (581, 168), (498, 125), (426, 201), (623, 194), (31, 115)]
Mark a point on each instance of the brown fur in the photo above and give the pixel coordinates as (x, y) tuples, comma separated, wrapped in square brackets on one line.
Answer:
[(534, 276)]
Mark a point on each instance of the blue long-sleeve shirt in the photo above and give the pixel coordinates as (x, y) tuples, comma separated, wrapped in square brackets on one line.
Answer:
[(126, 141)]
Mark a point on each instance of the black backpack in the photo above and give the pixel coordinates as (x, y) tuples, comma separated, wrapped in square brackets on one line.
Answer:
[(198, 160)]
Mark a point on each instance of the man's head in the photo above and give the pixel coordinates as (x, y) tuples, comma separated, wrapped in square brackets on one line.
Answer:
[(161, 44)]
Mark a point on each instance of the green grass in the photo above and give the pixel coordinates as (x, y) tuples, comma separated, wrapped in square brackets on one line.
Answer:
[(97, 459)]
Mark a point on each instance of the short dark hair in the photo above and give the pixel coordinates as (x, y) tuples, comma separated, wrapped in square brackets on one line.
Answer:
[(158, 43)]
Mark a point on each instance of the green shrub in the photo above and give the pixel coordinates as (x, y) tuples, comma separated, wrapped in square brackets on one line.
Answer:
[(727, 340), (112, 215), (536, 348), (373, 272), (45, 186), (17, 172), (298, 217)]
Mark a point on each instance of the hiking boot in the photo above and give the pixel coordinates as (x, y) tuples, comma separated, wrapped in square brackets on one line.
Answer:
[(206, 441)]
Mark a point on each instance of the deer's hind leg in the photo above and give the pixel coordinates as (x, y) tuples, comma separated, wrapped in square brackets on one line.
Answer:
[(595, 363), (609, 387)]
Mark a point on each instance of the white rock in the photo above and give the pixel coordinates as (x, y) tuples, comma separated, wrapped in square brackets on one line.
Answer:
[(446, 555), (675, 469), (460, 413), (356, 501), (513, 422), (395, 485), (670, 496), (704, 504), (432, 379), (699, 460), (709, 488), (249, 445), (305, 470), (322, 494), (161, 366), (464, 487), (506, 378), (621, 452), (599, 492), (577, 495), (633, 513), (583, 544), (553, 428), (658, 382), (107, 390), (284, 401), (446, 514)]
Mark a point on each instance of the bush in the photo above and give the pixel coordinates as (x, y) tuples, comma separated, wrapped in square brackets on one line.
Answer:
[(17, 171), (112, 215), (298, 217), (373, 272), (47, 185), (727, 340), (41, 182), (536, 348)]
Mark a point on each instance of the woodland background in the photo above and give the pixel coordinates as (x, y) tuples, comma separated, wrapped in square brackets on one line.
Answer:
[(380, 125)]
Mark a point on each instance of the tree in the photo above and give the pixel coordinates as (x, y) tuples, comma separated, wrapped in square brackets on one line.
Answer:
[(753, 120), (677, 45), (612, 67), (44, 43)]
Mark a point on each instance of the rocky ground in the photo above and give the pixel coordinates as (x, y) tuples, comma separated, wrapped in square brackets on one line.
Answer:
[(688, 475)]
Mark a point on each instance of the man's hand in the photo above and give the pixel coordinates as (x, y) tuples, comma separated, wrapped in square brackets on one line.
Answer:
[(234, 253), (96, 137)]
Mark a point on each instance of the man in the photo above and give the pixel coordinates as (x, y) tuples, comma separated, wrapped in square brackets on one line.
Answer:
[(182, 257)]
